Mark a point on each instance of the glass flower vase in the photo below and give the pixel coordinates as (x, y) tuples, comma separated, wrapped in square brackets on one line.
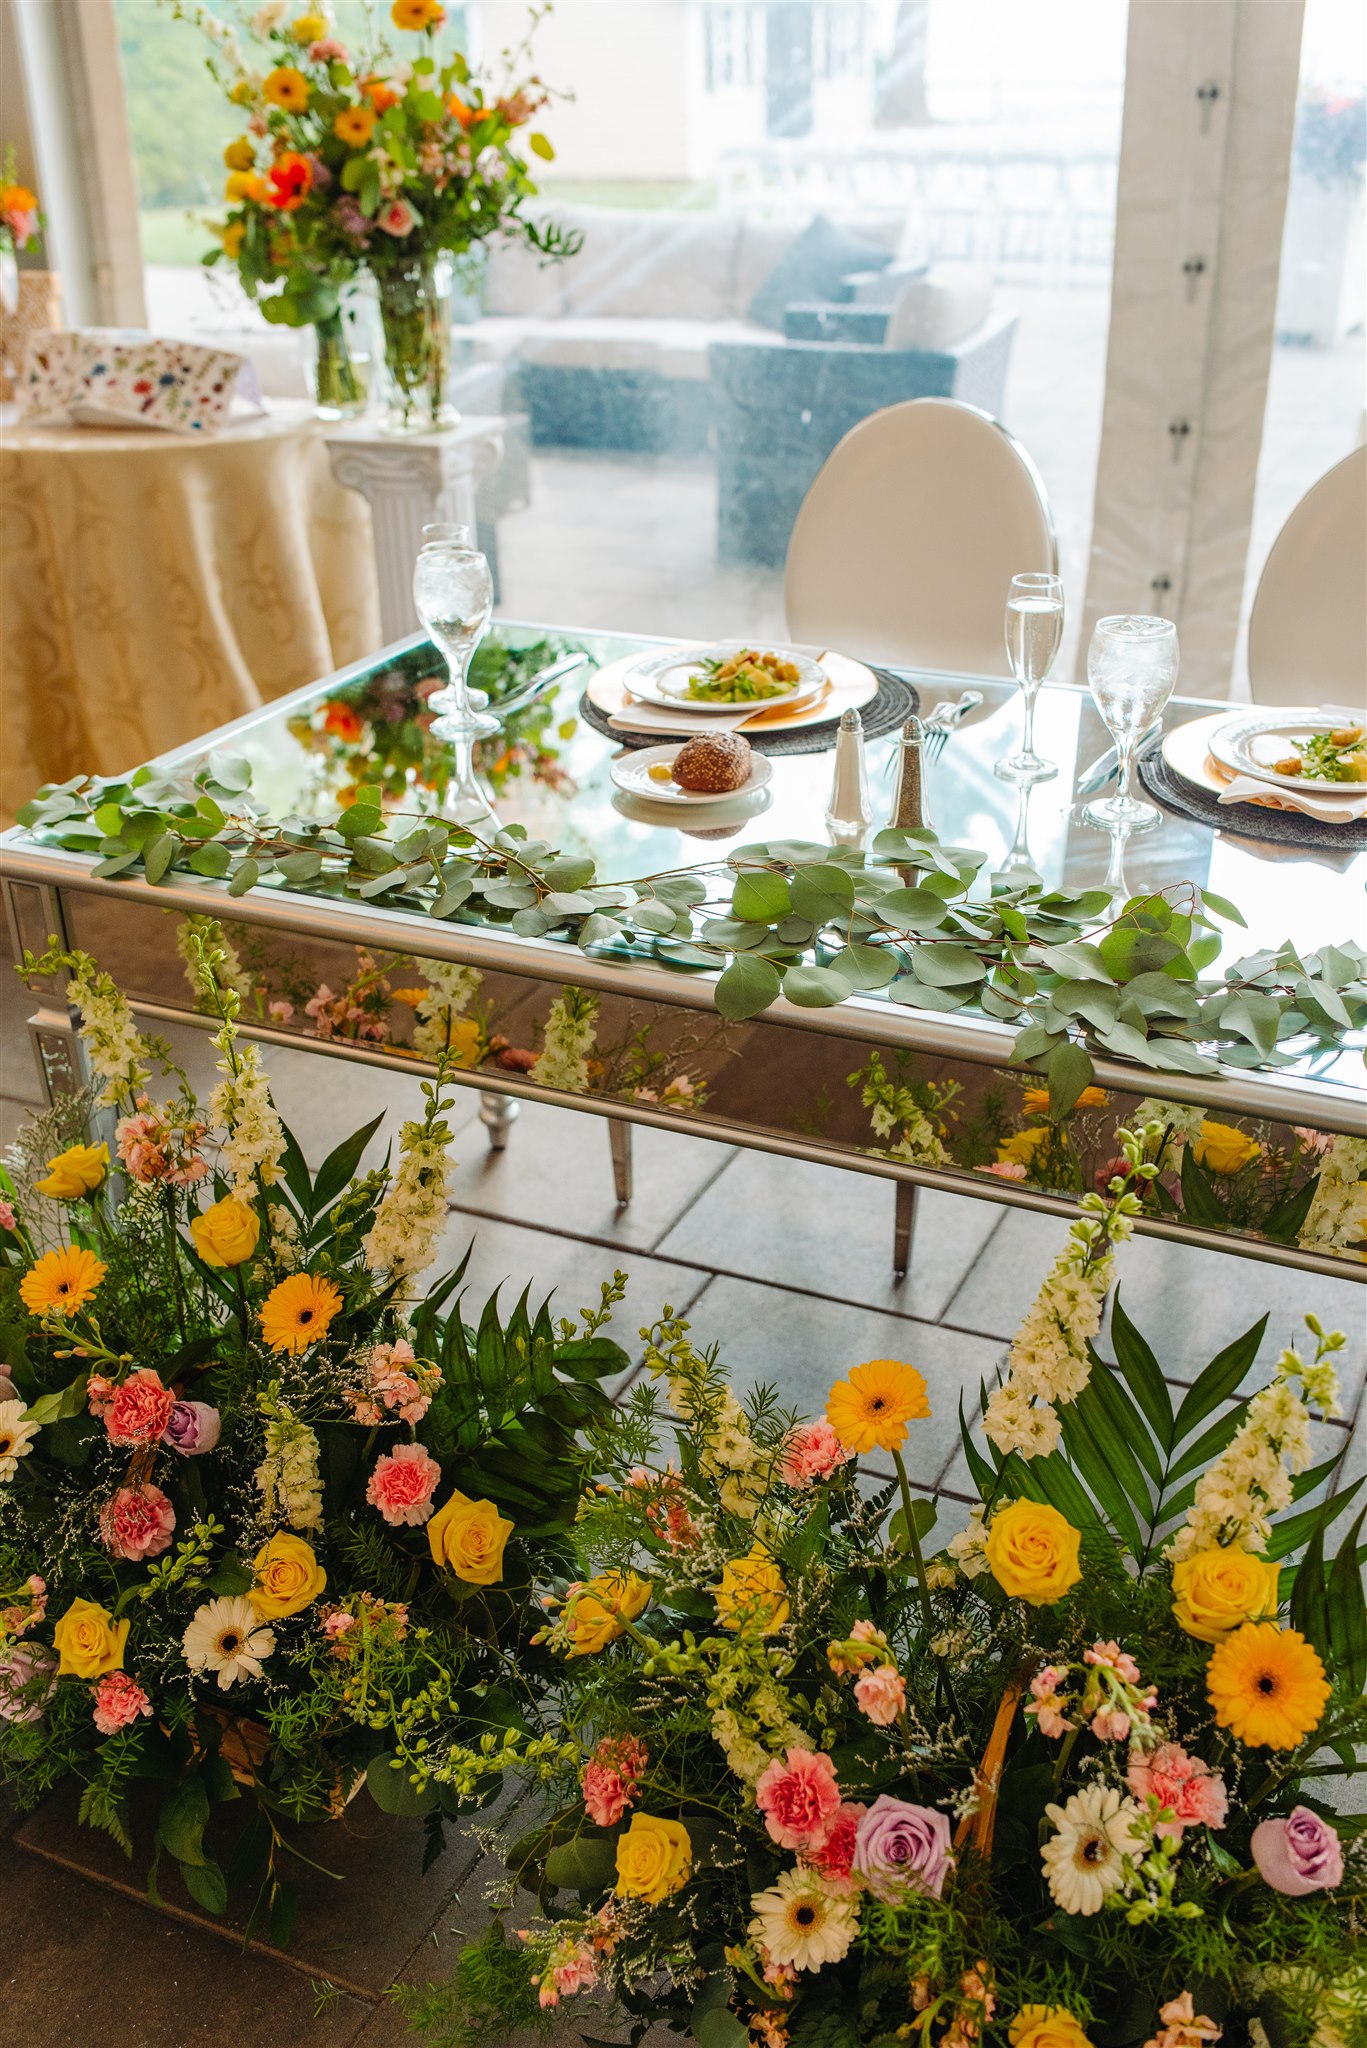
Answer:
[(415, 314), (339, 391)]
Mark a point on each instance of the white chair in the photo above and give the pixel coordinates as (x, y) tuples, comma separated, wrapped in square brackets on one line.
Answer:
[(907, 541), (1307, 637)]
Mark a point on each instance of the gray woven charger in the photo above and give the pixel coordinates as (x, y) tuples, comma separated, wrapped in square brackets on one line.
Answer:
[(1249, 821), (889, 711)]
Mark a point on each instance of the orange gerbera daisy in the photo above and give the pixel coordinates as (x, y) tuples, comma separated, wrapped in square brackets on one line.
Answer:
[(297, 1312), (417, 14), (287, 88), (381, 94), (61, 1282), (875, 1404), (1267, 1685), (291, 175), (354, 126)]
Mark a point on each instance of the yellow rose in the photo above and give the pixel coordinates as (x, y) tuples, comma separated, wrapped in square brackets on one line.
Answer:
[(1023, 1145), (752, 1593), (288, 1577), (1219, 1589), (1046, 2026), (468, 1537), (77, 1171), (596, 1614), (1223, 1149), (654, 1857), (241, 186), (89, 1641), (1032, 1551), (241, 154), (464, 1040), (308, 28), (227, 1233)]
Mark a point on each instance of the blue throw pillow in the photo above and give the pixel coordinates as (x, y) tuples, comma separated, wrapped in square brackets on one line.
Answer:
[(816, 267)]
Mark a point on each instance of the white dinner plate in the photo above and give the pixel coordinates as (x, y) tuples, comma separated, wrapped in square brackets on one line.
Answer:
[(1250, 742), (631, 772), (663, 677)]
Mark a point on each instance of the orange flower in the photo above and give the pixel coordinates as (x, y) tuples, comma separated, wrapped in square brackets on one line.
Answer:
[(17, 199), (343, 721), (381, 94), (61, 1282), (244, 187), (461, 111), (1035, 1101), (231, 237), (417, 14), (241, 154), (296, 1313), (355, 126), (287, 88), (290, 176)]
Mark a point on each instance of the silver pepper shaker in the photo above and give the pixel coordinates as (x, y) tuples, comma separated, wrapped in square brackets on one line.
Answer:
[(909, 796), (849, 812)]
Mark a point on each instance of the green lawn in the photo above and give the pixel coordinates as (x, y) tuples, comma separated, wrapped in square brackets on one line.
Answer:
[(170, 234)]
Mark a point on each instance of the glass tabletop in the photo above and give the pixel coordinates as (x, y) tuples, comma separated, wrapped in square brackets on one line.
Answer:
[(549, 771)]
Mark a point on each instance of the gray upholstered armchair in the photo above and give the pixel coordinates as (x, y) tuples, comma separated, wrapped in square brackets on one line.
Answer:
[(780, 407)]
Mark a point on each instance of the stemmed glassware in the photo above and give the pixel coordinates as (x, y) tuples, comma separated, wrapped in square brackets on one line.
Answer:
[(453, 595), (1034, 628), (1131, 671)]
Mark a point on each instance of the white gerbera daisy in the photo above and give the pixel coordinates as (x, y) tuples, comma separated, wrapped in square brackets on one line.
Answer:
[(1097, 1829), (226, 1637), (802, 1923), (16, 1437)]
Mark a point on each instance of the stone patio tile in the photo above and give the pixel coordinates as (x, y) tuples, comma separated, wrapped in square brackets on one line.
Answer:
[(801, 1343), (827, 1231), (557, 1172)]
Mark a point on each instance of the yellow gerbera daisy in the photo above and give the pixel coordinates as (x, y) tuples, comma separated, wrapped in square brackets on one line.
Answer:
[(285, 87), (297, 1312), (61, 1282), (417, 14), (354, 126), (875, 1404), (1267, 1685)]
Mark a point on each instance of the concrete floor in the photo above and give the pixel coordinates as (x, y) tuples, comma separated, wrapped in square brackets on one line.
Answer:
[(788, 1266)]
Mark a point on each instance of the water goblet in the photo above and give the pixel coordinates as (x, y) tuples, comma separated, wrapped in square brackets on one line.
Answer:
[(1034, 628), (453, 595), (1131, 671)]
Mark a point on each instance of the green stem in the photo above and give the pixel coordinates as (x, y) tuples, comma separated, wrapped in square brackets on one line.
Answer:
[(914, 1540), (1066, 1748)]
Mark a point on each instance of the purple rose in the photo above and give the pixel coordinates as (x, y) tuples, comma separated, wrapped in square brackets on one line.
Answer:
[(1298, 1854), (900, 1848), (192, 1429), (26, 1663)]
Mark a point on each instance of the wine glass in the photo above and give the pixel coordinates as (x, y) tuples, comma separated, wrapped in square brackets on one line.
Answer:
[(453, 595), (1131, 670), (1034, 628)]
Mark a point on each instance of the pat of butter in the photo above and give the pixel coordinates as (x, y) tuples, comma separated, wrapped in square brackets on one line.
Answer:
[(660, 771)]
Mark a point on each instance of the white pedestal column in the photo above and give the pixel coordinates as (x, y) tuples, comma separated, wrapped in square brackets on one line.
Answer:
[(408, 481)]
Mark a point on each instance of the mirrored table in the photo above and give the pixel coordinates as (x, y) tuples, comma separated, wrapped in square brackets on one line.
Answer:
[(917, 1096)]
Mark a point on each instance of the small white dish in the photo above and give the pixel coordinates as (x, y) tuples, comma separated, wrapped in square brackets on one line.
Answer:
[(631, 772), (664, 677), (1250, 742)]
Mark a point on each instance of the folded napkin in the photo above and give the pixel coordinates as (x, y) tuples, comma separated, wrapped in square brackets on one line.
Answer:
[(1330, 810)]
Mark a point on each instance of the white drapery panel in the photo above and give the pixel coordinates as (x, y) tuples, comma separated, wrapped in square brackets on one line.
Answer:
[(1210, 101)]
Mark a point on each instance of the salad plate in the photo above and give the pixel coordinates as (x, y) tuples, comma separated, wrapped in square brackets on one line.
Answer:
[(729, 676), (1329, 745)]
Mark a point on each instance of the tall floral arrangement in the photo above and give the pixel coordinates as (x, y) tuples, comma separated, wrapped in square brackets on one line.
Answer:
[(20, 220), (261, 1488), (387, 159)]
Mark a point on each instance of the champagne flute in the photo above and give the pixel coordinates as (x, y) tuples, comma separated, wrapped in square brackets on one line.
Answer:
[(1131, 671), (1034, 628), (453, 595)]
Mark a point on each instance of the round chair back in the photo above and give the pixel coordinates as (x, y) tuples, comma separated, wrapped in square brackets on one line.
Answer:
[(1307, 638), (907, 541)]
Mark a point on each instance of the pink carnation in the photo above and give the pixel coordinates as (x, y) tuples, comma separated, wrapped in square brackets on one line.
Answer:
[(138, 1522), (834, 1857), (881, 1693), (799, 1798), (119, 1700), (6, 1216), (611, 1778), (397, 219), (327, 50), (1194, 1795), (813, 1451), (402, 1485), (139, 1410)]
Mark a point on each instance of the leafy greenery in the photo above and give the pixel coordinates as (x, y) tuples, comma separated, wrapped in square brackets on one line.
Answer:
[(813, 923)]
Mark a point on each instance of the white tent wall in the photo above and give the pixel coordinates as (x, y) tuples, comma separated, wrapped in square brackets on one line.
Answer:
[(1210, 103)]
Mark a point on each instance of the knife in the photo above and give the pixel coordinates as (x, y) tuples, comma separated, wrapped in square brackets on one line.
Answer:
[(1105, 765), (540, 683)]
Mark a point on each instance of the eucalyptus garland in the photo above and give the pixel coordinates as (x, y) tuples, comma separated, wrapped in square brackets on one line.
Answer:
[(817, 924)]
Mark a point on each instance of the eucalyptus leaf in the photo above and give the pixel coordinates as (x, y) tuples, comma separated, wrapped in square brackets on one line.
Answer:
[(746, 987)]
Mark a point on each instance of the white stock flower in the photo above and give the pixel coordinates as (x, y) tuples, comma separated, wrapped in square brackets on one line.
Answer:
[(402, 1241), (453, 990), (571, 1031), (254, 1140), (288, 1477), (1337, 1217), (1251, 1480), (113, 1047), (1083, 1861)]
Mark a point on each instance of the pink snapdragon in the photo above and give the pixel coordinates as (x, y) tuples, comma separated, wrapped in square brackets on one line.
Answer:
[(138, 1522), (799, 1798), (881, 1694), (1044, 1704), (398, 1386), (119, 1700), (26, 1614), (1191, 1794), (1006, 1169), (402, 1485), (611, 1778), (153, 1149), (571, 1966), (327, 50), (1184, 2027), (667, 1513), (864, 1645), (1114, 1659), (812, 1452)]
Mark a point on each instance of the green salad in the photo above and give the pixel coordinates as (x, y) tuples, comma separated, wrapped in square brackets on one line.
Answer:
[(1339, 756), (746, 677)]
